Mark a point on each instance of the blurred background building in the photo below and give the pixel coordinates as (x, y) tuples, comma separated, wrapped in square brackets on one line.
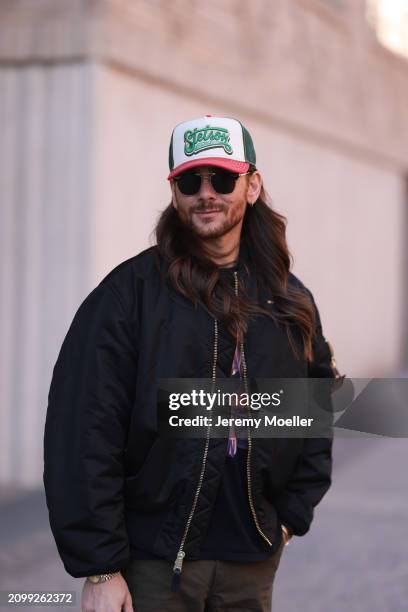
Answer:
[(89, 93), (90, 90)]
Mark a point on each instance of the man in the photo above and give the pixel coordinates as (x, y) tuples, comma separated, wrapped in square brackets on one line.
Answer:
[(196, 523)]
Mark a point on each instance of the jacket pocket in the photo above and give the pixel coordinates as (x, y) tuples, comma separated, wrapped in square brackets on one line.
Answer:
[(161, 479)]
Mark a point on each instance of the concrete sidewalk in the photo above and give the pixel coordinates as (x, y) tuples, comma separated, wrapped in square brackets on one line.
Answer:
[(355, 557)]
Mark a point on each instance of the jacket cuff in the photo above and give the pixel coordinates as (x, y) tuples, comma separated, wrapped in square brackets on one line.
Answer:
[(298, 522), (97, 569)]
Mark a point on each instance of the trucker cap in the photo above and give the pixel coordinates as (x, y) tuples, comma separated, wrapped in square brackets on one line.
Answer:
[(211, 141)]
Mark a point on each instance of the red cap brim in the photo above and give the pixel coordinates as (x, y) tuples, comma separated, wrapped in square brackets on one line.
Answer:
[(219, 162)]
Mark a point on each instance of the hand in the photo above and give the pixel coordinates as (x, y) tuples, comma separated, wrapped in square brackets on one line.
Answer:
[(110, 596), (285, 536)]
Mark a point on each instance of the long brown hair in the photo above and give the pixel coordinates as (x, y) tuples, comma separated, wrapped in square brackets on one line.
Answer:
[(198, 279)]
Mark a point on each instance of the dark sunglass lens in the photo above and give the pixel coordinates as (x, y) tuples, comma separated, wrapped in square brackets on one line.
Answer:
[(223, 182), (189, 183)]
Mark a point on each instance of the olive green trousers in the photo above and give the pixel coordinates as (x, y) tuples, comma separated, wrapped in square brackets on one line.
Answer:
[(206, 586)]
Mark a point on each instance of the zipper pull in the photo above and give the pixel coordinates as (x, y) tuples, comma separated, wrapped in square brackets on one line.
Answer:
[(177, 569)]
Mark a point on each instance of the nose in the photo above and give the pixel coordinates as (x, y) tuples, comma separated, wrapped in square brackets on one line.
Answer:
[(206, 189)]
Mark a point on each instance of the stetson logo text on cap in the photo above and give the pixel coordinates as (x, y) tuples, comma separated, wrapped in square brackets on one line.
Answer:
[(208, 137)]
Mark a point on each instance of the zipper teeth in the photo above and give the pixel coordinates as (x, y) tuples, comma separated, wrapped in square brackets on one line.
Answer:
[(248, 465), (180, 554), (178, 564)]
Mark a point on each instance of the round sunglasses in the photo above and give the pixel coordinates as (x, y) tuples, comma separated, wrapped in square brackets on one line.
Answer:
[(221, 181)]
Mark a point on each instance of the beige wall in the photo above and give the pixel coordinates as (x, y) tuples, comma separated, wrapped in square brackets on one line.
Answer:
[(345, 213), (45, 146)]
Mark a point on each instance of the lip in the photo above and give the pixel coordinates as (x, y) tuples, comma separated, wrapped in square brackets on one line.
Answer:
[(208, 212)]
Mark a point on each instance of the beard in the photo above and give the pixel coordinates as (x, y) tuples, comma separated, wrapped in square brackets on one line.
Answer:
[(211, 227)]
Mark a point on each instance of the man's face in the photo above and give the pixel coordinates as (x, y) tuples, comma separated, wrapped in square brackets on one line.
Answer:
[(208, 213)]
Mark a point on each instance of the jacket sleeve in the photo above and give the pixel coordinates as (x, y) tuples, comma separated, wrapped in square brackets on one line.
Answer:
[(311, 477), (86, 426)]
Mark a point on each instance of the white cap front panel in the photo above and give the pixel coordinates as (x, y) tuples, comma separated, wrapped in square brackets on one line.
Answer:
[(208, 137)]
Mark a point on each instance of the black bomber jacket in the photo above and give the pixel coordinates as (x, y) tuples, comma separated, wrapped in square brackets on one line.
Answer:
[(109, 479)]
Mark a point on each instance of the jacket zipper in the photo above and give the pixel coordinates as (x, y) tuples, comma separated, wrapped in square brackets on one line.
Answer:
[(248, 465), (178, 563)]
